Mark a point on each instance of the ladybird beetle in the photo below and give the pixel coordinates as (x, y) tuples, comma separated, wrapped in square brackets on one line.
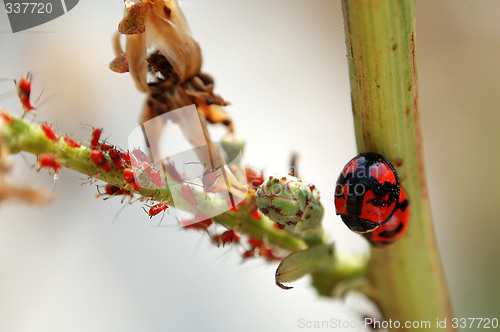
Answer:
[(388, 233), (367, 192)]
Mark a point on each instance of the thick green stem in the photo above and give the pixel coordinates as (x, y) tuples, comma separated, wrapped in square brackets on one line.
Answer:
[(407, 280)]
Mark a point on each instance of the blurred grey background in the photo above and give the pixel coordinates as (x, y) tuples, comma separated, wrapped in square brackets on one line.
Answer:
[(78, 265)]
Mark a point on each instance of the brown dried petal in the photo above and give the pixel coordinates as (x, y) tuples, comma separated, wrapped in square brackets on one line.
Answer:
[(134, 19), (119, 64)]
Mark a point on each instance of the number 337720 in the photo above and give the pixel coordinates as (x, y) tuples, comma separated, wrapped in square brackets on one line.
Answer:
[(28, 8)]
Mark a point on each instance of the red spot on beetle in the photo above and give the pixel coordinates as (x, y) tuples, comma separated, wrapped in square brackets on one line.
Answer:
[(49, 133), (70, 141)]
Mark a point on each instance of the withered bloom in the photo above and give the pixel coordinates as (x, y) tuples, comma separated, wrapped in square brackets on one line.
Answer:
[(165, 61)]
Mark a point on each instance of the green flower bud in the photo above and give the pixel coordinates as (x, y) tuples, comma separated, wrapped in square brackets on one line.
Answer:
[(292, 203), (233, 145)]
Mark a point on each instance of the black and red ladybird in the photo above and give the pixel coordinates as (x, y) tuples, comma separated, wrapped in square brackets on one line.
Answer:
[(388, 233), (367, 192)]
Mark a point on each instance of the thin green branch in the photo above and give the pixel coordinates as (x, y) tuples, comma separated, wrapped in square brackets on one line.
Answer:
[(22, 135)]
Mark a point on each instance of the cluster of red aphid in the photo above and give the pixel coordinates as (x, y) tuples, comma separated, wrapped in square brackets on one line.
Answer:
[(257, 247), (99, 154), (129, 162), (142, 161), (48, 160), (112, 190), (228, 236)]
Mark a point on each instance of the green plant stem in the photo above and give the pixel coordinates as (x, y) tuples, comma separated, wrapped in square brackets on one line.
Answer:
[(406, 281)]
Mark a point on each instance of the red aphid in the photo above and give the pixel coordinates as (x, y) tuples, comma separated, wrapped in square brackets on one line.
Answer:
[(258, 248), (23, 89), (106, 147), (48, 160), (100, 160), (94, 139), (224, 238), (129, 177), (6, 117), (49, 133), (254, 179), (249, 254), (189, 196), (141, 156), (268, 254), (256, 215), (115, 190), (126, 158), (231, 205), (156, 209), (229, 237), (200, 225), (254, 243), (153, 174), (116, 157), (209, 178), (112, 190), (70, 141), (172, 173)]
